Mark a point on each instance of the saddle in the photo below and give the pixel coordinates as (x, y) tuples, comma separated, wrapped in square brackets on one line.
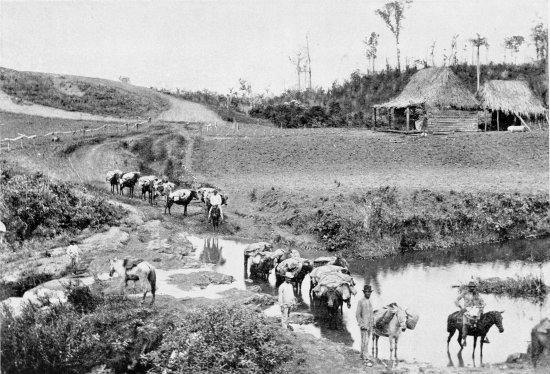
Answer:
[(130, 264)]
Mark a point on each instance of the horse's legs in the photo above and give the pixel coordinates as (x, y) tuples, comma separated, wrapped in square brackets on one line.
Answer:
[(460, 338), (395, 348), (475, 342), (185, 210), (449, 338), (481, 339), (392, 343)]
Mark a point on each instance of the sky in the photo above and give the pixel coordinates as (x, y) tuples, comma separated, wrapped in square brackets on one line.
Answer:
[(211, 44)]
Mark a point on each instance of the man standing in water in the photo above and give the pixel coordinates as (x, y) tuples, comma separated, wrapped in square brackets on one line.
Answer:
[(472, 310), (365, 319), (286, 299)]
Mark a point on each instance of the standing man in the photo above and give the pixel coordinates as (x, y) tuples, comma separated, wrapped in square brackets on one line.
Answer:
[(216, 199), (472, 310), (74, 255), (286, 299), (365, 319)]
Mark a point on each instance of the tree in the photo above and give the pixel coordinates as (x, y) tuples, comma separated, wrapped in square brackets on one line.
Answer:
[(301, 66), (513, 44), (539, 34), (393, 14), (371, 48), (432, 51), (477, 42), (453, 59)]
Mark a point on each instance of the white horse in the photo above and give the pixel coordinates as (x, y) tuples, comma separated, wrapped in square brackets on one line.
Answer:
[(392, 330), (135, 270)]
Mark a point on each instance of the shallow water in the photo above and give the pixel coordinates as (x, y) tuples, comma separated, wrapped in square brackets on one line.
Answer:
[(423, 282)]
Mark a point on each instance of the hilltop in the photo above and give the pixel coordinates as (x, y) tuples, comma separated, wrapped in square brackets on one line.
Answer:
[(80, 94)]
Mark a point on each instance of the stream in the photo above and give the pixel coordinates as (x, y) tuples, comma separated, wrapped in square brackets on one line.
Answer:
[(421, 281)]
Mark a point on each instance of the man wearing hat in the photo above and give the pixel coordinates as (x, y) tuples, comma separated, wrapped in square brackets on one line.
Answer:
[(286, 299), (472, 310), (365, 319)]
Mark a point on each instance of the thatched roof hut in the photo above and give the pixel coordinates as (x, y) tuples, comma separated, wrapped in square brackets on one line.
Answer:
[(511, 97), (436, 87)]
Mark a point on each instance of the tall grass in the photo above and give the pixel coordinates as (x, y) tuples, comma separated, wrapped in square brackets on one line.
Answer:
[(526, 286)]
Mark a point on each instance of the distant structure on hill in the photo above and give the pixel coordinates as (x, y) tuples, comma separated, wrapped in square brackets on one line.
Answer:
[(124, 79), (434, 100)]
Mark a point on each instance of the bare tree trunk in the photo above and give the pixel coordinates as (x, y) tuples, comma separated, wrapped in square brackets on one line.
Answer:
[(478, 69), (398, 54)]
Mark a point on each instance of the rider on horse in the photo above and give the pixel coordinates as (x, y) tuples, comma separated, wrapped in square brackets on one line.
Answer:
[(472, 310), (216, 199)]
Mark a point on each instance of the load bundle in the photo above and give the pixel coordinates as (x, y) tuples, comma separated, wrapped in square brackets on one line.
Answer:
[(382, 317), (333, 278), (291, 265), (330, 260), (111, 174), (256, 248), (178, 195), (317, 272)]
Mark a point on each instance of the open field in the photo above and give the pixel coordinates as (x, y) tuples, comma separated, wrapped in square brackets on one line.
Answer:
[(325, 161)]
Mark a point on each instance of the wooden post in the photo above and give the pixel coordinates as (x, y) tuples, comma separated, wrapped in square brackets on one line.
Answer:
[(498, 123), (485, 119), (407, 112)]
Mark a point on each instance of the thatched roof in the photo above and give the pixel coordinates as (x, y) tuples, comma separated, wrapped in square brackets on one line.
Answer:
[(510, 97), (438, 87)]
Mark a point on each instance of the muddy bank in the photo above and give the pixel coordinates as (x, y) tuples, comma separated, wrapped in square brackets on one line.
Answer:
[(387, 220)]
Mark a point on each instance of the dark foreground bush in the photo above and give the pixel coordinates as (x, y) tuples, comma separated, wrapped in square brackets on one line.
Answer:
[(64, 340), (38, 207), (220, 339)]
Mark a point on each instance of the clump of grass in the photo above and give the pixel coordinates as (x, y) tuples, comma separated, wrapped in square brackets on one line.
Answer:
[(528, 286)]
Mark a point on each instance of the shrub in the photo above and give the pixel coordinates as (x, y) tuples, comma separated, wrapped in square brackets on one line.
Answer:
[(63, 340), (38, 207), (220, 339), (336, 232)]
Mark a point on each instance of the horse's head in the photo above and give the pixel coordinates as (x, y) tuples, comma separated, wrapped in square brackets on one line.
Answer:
[(307, 267), (498, 321), (195, 195), (401, 315), (333, 297), (224, 199)]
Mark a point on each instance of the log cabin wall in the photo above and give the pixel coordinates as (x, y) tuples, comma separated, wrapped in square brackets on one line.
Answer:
[(452, 120)]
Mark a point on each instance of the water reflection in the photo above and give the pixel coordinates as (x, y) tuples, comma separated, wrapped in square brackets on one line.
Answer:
[(424, 282), (212, 251)]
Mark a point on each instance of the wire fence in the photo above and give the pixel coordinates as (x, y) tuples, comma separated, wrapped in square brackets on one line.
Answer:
[(23, 140)]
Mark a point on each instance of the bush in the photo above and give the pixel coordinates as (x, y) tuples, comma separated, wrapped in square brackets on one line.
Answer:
[(38, 207), (220, 339), (63, 340)]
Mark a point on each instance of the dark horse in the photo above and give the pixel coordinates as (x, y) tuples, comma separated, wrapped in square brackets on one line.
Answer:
[(454, 322), (262, 269), (180, 197), (216, 217), (298, 279), (334, 301)]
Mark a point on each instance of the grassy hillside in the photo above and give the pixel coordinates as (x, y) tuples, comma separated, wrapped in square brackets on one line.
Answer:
[(89, 95)]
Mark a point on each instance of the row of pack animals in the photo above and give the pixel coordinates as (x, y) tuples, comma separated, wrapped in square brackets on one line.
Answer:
[(153, 187)]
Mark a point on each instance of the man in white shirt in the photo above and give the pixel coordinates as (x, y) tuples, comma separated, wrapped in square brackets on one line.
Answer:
[(286, 299), (216, 199)]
